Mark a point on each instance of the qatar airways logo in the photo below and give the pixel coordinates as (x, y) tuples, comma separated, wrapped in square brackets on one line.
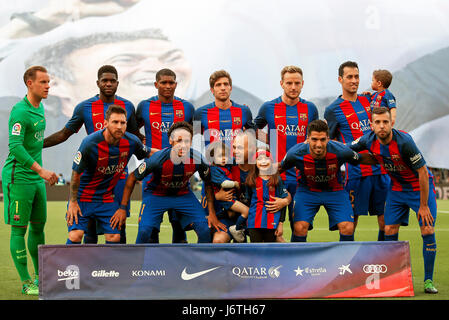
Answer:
[(39, 135), (175, 184), (292, 130), (222, 135), (113, 168), (363, 125), (161, 126), (321, 178), (394, 168)]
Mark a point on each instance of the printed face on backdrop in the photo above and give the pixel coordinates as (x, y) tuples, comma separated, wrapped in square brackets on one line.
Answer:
[(136, 61)]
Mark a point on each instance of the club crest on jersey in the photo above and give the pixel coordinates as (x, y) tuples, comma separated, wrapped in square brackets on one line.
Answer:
[(179, 113), (237, 120), (303, 116), (395, 157), (124, 154), (332, 166), (142, 168), (16, 128), (78, 157)]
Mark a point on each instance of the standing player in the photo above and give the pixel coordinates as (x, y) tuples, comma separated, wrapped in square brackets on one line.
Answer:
[(222, 119), (349, 118), (157, 114), (412, 185), (25, 198), (91, 114), (97, 168), (287, 118), (170, 170), (320, 182)]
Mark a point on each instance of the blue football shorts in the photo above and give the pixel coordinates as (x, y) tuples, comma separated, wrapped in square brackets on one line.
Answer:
[(399, 203), (368, 194), (102, 212), (336, 203)]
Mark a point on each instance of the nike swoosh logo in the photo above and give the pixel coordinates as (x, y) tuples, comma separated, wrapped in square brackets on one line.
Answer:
[(20, 251), (97, 114), (347, 116), (190, 276)]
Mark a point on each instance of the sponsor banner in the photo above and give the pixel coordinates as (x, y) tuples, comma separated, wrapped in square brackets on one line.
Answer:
[(226, 271)]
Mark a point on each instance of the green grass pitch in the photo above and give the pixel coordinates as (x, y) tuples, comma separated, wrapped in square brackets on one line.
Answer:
[(56, 233)]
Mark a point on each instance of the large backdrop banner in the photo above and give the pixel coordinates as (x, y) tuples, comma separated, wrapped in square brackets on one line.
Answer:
[(208, 271), (251, 39)]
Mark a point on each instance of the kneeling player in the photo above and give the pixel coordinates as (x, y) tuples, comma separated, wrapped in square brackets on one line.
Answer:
[(320, 182), (168, 188), (97, 167), (411, 185)]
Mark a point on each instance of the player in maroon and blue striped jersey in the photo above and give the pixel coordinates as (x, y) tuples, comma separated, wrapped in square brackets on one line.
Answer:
[(91, 114), (97, 168), (321, 182), (287, 118), (170, 170), (157, 114), (349, 118), (222, 119), (412, 185)]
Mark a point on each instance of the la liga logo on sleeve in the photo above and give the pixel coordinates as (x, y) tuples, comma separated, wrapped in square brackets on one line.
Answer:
[(78, 157), (16, 129)]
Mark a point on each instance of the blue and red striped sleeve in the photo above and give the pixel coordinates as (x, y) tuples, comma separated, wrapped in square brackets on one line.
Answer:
[(77, 120)]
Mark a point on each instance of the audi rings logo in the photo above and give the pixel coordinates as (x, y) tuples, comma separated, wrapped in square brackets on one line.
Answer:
[(375, 268)]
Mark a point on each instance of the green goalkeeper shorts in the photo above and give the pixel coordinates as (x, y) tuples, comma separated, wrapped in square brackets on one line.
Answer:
[(24, 203)]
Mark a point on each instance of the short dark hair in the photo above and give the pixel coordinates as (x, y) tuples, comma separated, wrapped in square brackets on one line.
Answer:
[(114, 108), (318, 126), (180, 125), (217, 75), (217, 146), (107, 69), (349, 64), (384, 76), (165, 72), (30, 73), (380, 110)]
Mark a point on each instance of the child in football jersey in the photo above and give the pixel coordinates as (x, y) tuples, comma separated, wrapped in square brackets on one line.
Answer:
[(382, 97), (227, 211), (269, 199)]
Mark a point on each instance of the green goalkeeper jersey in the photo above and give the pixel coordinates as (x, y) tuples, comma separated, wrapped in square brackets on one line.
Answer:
[(26, 139)]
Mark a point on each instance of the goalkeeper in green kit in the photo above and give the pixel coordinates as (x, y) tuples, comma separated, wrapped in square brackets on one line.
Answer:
[(23, 178)]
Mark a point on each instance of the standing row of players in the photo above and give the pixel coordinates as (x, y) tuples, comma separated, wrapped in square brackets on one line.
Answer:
[(309, 173)]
